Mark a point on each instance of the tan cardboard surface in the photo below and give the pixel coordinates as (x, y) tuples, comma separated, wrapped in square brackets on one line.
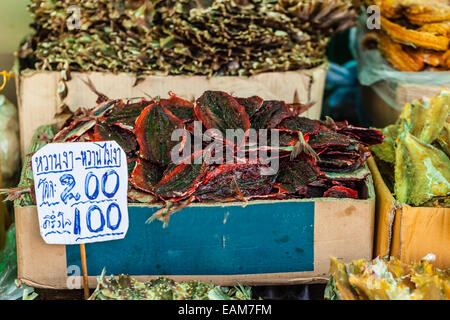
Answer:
[(39, 264), (37, 93), (343, 228), (426, 230), (381, 113)]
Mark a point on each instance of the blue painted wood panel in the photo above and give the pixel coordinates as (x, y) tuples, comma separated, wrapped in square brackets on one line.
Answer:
[(257, 238)]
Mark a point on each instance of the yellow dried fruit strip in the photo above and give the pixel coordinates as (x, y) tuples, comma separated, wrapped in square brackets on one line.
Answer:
[(426, 13), (393, 52), (445, 60), (442, 28), (414, 37), (432, 58)]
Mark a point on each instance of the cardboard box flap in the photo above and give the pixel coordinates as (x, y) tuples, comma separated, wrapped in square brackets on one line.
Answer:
[(386, 212), (424, 231)]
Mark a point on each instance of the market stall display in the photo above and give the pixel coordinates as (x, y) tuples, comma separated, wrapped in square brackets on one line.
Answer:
[(412, 165), (316, 158), (275, 49), (229, 207), (387, 279)]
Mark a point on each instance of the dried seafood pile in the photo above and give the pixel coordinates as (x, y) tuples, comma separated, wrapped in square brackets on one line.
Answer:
[(387, 279), (316, 158), (125, 287), (201, 37), (414, 35), (414, 156)]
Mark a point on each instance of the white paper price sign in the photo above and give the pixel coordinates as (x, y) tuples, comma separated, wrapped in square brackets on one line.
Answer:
[(81, 192)]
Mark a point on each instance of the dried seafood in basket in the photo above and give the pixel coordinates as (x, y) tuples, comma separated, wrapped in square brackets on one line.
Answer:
[(125, 287), (415, 152), (206, 37), (312, 158), (414, 35), (387, 279)]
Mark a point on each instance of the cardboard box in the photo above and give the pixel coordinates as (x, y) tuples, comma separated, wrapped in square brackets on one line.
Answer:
[(409, 233), (38, 99), (255, 243), (374, 100)]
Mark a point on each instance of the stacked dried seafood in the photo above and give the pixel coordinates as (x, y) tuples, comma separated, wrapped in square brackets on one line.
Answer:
[(125, 287), (414, 35), (311, 158), (202, 37), (414, 156), (387, 279)]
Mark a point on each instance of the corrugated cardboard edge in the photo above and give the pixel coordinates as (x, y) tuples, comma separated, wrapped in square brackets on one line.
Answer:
[(35, 259), (409, 233), (349, 237), (38, 100), (386, 212)]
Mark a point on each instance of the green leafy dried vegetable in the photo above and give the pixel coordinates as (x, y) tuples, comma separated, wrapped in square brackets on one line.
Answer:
[(414, 156), (421, 171), (386, 150), (208, 37), (125, 287), (426, 118), (386, 279)]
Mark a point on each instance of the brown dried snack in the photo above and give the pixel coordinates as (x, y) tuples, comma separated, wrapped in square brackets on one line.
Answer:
[(207, 37)]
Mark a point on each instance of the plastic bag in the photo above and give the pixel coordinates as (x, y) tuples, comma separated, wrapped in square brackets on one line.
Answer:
[(9, 141), (373, 70), (8, 270), (342, 98)]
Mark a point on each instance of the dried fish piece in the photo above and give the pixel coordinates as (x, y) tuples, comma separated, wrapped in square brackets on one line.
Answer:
[(124, 115), (219, 110), (251, 104), (152, 128), (180, 181), (125, 139), (146, 175), (236, 182), (270, 115), (296, 174), (180, 108), (341, 192)]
